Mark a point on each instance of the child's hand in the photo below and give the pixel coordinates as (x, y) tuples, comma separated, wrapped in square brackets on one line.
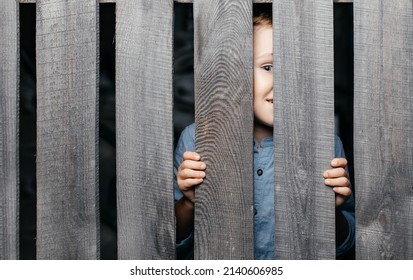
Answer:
[(190, 173), (337, 179)]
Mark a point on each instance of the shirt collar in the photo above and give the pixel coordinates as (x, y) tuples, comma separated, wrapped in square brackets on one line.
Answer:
[(266, 142)]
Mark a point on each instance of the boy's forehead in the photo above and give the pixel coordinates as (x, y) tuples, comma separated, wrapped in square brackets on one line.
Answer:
[(262, 42), (261, 28), (263, 32)]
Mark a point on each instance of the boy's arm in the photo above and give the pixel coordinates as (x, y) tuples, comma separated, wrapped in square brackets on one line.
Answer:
[(188, 172), (186, 142), (342, 228), (345, 211), (337, 179), (184, 212), (345, 227)]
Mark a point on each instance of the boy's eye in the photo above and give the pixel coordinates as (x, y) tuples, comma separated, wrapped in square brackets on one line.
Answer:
[(267, 68)]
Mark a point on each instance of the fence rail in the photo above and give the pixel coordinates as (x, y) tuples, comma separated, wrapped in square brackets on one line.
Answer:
[(67, 76)]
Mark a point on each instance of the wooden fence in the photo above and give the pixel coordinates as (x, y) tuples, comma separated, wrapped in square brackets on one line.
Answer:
[(67, 61)]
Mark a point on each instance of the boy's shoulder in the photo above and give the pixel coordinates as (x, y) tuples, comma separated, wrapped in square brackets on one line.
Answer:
[(189, 131), (338, 146), (187, 137)]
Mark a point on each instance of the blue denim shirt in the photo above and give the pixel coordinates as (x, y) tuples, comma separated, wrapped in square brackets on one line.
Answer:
[(264, 218)]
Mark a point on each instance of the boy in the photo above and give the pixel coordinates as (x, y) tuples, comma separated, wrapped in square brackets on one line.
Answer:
[(190, 170)]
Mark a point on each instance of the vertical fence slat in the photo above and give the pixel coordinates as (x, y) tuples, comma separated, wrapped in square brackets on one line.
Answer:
[(304, 129), (383, 124), (224, 119), (146, 227), (9, 71), (67, 67)]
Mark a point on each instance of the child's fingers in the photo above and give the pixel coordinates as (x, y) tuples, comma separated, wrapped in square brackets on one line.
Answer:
[(190, 172), (187, 173), (335, 173), (337, 182), (339, 162), (191, 164), (340, 199), (188, 183), (345, 192), (191, 156)]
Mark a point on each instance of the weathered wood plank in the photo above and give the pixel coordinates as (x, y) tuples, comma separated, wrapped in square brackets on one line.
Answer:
[(67, 155), (253, 1), (9, 170), (190, 1), (224, 122), (383, 128), (303, 129), (146, 227)]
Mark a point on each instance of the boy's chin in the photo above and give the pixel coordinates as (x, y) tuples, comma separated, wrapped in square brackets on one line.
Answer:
[(263, 124)]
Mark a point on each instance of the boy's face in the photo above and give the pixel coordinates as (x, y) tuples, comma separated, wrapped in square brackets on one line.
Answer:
[(263, 75)]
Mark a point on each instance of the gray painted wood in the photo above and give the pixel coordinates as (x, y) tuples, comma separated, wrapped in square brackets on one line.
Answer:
[(254, 1), (144, 138), (190, 1), (383, 128), (9, 171), (224, 122), (67, 154), (303, 129)]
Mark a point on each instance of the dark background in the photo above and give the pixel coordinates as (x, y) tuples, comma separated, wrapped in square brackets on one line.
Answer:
[(183, 110)]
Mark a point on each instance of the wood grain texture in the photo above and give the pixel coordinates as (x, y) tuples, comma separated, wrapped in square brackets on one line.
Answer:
[(144, 125), (190, 1), (178, 1), (383, 128), (224, 122), (67, 155), (303, 129), (9, 171), (254, 1)]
